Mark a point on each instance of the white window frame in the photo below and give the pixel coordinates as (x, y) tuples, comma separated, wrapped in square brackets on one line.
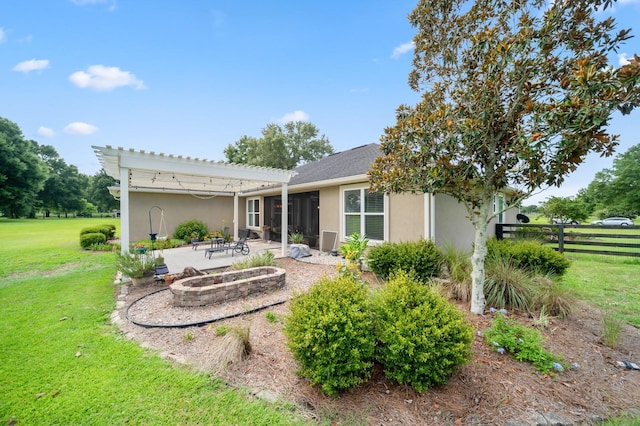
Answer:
[(499, 200), (362, 213), (256, 215)]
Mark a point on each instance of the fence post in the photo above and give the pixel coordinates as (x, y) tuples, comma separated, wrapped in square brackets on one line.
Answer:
[(499, 231), (561, 238)]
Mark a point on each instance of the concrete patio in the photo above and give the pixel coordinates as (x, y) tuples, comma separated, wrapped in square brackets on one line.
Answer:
[(179, 258)]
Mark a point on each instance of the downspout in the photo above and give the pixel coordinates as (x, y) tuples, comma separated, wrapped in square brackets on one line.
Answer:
[(432, 217)]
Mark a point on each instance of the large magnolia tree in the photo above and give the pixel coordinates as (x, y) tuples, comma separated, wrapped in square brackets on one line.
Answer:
[(515, 95)]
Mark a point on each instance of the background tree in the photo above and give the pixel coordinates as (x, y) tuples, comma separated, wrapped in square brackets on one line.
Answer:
[(514, 94), (530, 209), (98, 193), (616, 191), (283, 148), (22, 172), (64, 189), (565, 209)]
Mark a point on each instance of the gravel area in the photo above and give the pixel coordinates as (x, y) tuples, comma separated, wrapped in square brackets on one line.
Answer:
[(151, 305)]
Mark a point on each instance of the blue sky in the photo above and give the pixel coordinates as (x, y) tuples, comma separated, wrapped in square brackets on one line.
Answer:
[(191, 77)]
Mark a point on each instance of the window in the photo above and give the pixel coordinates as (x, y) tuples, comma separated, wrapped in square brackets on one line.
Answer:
[(253, 212), (364, 213)]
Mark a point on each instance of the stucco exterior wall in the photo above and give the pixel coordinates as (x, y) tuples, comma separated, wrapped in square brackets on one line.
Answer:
[(329, 210), (454, 227), (216, 212), (406, 217)]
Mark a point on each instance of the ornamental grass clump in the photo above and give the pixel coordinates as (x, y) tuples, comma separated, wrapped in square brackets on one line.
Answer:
[(422, 338), (330, 334), (232, 348)]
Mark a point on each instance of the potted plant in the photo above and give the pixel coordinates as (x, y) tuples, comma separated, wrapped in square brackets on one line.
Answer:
[(265, 233), (297, 238), (140, 267)]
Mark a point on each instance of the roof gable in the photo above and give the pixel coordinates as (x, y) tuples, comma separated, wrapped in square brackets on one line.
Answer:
[(353, 162)]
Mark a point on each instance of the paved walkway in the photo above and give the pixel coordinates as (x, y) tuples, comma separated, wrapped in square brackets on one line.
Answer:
[(179, 258)]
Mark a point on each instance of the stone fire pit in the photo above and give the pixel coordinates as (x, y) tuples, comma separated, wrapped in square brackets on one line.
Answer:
[(226, 286)]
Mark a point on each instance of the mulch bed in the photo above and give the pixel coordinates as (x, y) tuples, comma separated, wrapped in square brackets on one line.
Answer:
[(491, 389)]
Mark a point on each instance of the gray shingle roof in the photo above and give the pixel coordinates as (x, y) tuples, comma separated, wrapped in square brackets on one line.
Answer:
[(353, 162)]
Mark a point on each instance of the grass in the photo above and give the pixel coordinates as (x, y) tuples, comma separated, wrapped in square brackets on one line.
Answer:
[(610, 283), (61, 362), (56, 300)]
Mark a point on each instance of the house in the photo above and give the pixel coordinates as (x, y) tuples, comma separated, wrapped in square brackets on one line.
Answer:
[(330, 194)]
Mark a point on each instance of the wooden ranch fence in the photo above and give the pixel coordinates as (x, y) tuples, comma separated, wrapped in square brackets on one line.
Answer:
[(594, 239)]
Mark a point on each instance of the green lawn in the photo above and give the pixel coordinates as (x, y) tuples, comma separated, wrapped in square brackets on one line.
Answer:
[(61, 362)]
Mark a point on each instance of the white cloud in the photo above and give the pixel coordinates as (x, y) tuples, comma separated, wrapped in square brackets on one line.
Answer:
[(112, 3), (402, 49), (3, 37), (99, 77), (46, 132), (32, 65), (294, 116), (622, 59), (80, 128)]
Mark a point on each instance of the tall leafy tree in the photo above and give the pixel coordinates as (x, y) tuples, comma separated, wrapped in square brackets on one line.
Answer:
[(98, 193), (64, 189), (617, 190), (280, 147), (22, 172), (515, 94), (565, 209)]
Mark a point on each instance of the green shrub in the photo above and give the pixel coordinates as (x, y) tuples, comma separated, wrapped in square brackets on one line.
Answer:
[(108, 230), (422, 338), (330, 334), (524, 343), (112, 229), (192, 228), (93, 238), (421, 257), (507, 285), (529, 255)]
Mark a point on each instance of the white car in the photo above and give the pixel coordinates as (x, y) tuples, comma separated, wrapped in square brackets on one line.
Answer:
[(614, 221)]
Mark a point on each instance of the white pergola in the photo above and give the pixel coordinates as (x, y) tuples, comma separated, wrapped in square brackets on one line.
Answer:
[(151, 172)]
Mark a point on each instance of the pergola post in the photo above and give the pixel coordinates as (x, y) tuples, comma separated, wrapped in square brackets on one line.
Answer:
[(124, 210), (285, 219)]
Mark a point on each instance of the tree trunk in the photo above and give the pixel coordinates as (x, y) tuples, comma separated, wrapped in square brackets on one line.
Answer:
[(477, 261)]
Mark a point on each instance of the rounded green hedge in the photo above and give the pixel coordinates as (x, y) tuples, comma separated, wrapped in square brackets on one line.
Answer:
[(195, 227), (89, 239), (422, 257), (422, 338), (529, 255), (330, 334)]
